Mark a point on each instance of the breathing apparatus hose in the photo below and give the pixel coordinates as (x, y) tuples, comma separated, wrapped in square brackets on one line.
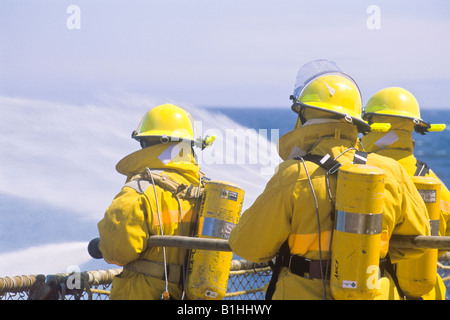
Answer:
[(194, 227), (324, 280), (165, 294), (182, 233)]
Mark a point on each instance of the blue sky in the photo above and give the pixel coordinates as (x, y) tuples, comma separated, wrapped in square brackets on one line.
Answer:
[(226, 53)]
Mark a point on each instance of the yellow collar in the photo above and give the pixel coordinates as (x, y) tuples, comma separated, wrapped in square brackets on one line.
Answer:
[(393, 139), (321, 137), (173, 156)]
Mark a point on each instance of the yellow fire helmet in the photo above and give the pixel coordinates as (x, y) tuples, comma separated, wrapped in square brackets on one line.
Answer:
[(166, 122), (323, 86), (398, 102)]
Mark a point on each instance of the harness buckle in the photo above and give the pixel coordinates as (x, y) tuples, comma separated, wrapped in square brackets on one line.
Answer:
[(335, 168), (290, 261), (306, 275)]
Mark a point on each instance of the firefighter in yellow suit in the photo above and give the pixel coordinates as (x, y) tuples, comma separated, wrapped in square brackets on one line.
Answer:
[(400, 108), (328, 104), (144, 208)]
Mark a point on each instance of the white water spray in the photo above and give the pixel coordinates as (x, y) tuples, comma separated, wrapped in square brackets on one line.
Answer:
[(65, 155)]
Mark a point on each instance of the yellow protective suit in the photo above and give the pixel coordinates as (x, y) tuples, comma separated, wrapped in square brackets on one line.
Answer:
[(133, 217), (286, 208), (399, 145)]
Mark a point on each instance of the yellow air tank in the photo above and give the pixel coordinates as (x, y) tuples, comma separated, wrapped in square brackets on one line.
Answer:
[(209, 270), (417, 277), (355, 250)]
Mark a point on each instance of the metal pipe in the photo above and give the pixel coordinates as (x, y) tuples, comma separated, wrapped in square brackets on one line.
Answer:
[(397, 241), (428, 242), (189, 243), (170, 241)]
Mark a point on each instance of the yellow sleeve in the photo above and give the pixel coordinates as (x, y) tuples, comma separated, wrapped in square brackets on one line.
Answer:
[(264, 226), (445, 212), (407, 213), (124, 230), (445, 207)]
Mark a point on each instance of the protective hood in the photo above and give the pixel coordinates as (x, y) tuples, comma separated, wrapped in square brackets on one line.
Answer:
[(399, 137), (302, 140), (175, 156)]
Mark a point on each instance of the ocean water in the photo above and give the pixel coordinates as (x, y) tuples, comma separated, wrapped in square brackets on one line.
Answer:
[(57, 173)]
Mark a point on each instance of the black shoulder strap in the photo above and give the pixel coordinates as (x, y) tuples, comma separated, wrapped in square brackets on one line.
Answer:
[(331, 165), (360, 157), (284, 250), (326, 162), (388, 266), (422, 168)]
